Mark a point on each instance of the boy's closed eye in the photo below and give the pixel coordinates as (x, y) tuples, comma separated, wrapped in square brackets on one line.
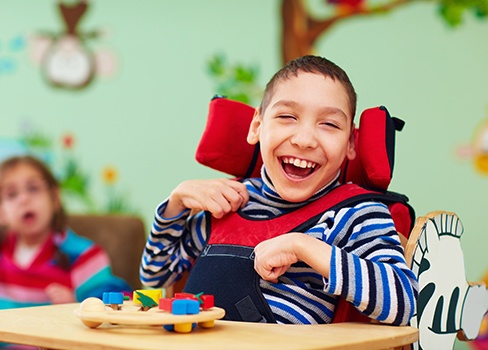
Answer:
[(331, 124), (286, 116)]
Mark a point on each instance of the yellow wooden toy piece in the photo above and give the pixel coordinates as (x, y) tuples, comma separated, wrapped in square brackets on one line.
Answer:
[(183, 327), (154, 294), (207, 324)]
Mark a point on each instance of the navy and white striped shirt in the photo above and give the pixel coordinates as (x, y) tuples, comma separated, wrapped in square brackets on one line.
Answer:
[(367, 267)]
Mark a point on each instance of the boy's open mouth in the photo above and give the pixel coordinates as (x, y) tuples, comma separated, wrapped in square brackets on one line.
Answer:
[(297, 168)]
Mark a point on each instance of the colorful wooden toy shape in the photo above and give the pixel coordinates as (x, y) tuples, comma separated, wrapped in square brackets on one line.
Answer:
[(187, 304), (114, 299), (147, 298), (180, 313), (205, 301)]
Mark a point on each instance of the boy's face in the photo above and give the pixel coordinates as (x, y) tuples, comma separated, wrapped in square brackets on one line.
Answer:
[(305, 134)]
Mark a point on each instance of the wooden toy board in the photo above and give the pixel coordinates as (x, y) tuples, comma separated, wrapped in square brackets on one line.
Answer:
[(129, 314)]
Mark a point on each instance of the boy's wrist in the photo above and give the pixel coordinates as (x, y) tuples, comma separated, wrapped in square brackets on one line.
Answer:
[(314, 253), (166, 212), (172, 211)]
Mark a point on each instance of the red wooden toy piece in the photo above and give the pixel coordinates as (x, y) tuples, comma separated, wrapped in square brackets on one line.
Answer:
[(165, 304), (185, 296), (207, 301)]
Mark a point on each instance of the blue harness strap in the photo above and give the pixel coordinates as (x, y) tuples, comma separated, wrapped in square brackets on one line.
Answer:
[(225, 267)]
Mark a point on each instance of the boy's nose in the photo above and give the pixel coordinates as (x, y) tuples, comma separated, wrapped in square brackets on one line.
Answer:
[(304, 137)]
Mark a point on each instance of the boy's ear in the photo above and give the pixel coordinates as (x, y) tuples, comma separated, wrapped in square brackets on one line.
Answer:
[(255, 127), (351, 145)]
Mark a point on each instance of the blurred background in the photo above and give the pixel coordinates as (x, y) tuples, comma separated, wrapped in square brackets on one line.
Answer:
[(113, 94)]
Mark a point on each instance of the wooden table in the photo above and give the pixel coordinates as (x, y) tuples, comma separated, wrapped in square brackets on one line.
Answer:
[(57, 327)]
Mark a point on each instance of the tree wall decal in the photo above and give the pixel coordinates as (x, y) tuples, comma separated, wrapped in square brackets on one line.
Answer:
[(301, 28)]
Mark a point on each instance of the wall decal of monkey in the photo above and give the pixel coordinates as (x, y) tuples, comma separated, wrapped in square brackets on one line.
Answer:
[(65, 58)]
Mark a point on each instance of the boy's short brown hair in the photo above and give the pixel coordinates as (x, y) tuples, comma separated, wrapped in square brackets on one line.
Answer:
[(311, 64)]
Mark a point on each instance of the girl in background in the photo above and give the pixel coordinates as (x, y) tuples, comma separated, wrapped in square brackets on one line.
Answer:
[(42, 261)]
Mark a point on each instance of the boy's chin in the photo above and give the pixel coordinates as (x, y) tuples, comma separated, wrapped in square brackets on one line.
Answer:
[(295, 195)]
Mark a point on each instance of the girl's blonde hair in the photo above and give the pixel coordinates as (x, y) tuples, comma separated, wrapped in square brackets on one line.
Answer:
[(59, 220)]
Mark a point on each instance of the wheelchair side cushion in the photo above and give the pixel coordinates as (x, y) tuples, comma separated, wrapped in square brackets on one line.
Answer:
[(375, 149), (223, 145)]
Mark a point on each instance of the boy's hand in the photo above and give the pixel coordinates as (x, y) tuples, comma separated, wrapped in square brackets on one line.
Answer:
[(218, 196), (273, 257), (60, 294)]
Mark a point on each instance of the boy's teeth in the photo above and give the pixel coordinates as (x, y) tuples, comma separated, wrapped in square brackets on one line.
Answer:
[(299, 163)]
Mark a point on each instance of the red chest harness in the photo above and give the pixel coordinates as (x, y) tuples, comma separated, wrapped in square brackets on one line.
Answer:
[(225, 267)]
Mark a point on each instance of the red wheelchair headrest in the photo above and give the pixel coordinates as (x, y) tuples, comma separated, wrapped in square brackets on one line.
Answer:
[(223, 145)]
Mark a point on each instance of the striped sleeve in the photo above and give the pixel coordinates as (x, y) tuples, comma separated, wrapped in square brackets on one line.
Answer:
[(90, 271), (172, 246), (368, 267)]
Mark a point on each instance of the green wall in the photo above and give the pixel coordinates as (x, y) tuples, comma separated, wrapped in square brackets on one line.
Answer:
[(146, 120)]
